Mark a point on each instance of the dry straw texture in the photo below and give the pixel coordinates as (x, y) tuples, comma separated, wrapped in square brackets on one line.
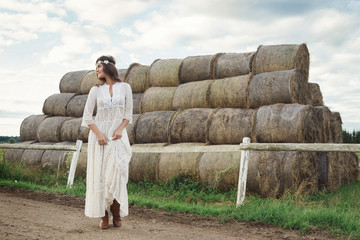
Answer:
[(197, 68), (137, 102), (50, 128), (233, 64), (70, 82), (286, 123), (191, 125), (152, 127), (336, 128), (192, 95), (14, 155), (164, 73), (76, 105), (87, 82), (56, 104), (122, 73), (130, 128), (70, 130), (172, 164), (315, 97), (324, 117), (231, 125), (157, 99), (136, 76), (274, 173), (33, 157), (273, 58), (29, 126), (219, 170), (289, 86), (229, 92), (52, 159)]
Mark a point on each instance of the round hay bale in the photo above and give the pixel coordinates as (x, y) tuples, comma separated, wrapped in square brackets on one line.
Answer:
[(130, 128), (157, 99), (219, 170), (50, 128), (273, 58), (281, 171), (84, 134), (269, 88), (191, 125), (29, 126), (333, 175), (70, 130), (192, 95), (55, 105), (144, 166), (322, 169), (122, 73), (352, 163), (231, 125), (70, 82), (136, 76), (197, 68), (233, 64), (336, 128), (173, 164), (229, 92), (164, 73), (14, 155), (52, 158), (32, 157), (76, 105), (153, 127), (87, 82), (324, 117), (137, 102), (286, 123), (315, 97)]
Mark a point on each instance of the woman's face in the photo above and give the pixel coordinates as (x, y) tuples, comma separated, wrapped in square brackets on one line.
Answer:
[(100, 70)]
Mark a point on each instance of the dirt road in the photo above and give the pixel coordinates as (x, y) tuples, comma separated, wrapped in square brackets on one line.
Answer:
[(26, 214)]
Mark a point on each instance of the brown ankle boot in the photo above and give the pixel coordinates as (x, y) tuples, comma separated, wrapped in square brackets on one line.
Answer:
[(104, 224), (115, 210)]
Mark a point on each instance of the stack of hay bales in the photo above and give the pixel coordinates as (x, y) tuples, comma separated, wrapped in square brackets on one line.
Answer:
[(215, 99)]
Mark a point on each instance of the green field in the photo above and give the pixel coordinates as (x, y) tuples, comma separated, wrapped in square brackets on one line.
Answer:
[(337, 212)]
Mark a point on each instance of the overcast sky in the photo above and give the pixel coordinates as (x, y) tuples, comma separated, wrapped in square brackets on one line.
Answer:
[(41, 40)]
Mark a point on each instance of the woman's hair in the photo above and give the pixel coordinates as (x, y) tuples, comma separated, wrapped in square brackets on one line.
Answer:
[(108, 63)]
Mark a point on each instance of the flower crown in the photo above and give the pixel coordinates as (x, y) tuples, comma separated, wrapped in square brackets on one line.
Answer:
[(104, 62)]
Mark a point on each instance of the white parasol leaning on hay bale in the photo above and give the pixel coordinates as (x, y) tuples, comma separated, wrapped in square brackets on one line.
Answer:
[(136, 76), (231, 125), (164, 73), (315, 97), (49, 129), (153, 127), (191, 125), (233, 64), (157, 99), (55, 105), (229, 92), (286, 123), (289, 86), (70, 82), (271, 58), (29, 126), (192, 95), (197, 68)]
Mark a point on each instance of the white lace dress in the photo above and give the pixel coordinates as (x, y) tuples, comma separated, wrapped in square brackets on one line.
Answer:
[(107, 165)]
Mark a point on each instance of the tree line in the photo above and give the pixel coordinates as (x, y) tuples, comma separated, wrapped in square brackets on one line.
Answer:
[(351, 137), (8, 139)]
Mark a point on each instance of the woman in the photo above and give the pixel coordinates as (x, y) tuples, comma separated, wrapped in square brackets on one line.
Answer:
[(109, 150)]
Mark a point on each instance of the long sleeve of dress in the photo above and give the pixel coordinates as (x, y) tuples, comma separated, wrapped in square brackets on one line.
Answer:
[(128, 104), (89, 108)]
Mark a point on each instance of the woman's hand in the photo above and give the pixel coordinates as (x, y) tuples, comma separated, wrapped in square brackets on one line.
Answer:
[(101, 138), (117, 134)]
